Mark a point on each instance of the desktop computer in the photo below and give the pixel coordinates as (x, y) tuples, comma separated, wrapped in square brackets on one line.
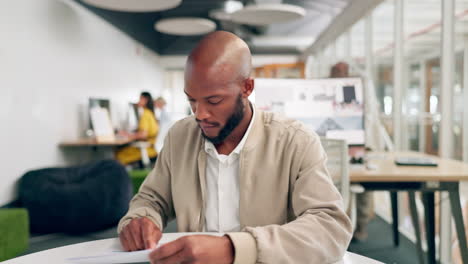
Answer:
[(98, 103), (100, 121)]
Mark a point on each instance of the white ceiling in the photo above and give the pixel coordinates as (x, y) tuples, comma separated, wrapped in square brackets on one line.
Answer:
[(421, 25), (302, 32)]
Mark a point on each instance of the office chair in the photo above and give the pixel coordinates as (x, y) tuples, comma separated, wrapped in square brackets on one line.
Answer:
[(338, 167), (143, 145)]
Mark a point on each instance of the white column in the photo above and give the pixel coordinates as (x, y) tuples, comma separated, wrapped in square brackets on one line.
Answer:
[(316, 66), (369, 47), (398, 84), (333, 55), (446, 122), (309, 67), (328, 62), (318, 62), (323, 62), (371, 133), (348, 46), (447, 69), (405, 121), (465, 96), (398, 73), (422, 106)]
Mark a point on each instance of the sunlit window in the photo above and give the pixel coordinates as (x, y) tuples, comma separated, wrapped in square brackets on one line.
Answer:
[(433, 102), (388, 105)]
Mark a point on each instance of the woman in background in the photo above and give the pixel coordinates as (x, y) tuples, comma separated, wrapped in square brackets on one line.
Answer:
[(148, 129)]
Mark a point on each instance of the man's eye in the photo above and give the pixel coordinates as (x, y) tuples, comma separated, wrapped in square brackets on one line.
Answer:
[(215, 102)]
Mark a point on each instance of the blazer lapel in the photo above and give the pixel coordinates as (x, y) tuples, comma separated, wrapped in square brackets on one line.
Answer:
[(245, 168), (202, 178), (256, 131)]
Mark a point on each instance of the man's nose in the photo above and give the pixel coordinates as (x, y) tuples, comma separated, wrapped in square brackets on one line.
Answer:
[(201, 112)]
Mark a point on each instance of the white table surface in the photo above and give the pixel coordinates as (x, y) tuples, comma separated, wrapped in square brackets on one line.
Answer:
[(61, 254)]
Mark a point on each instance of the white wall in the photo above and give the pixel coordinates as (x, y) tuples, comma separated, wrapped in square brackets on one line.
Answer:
[(53, 56)]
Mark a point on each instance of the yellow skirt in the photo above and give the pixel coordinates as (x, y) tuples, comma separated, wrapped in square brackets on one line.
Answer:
[(128, 155)]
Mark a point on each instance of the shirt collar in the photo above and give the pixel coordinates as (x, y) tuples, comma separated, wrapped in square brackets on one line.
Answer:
[(211, 149)]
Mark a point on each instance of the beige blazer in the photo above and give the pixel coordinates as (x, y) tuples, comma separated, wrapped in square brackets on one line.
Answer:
[(290, 211)]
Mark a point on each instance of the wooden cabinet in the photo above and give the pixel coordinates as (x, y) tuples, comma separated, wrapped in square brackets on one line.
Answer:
[(292, 70)]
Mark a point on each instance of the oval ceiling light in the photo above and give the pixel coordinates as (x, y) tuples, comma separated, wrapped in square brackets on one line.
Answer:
[(265, 14), (185, 26), (135, 5)]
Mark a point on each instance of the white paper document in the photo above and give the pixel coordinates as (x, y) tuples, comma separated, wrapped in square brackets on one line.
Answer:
[(115, 253), (102, 124)]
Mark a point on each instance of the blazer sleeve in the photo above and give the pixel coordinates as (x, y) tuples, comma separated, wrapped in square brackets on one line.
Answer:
[(321, 231), (154, 199)]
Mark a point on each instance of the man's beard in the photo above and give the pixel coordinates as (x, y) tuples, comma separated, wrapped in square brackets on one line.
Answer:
[(232, 122)]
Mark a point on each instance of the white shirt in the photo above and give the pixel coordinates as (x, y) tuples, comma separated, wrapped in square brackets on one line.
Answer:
[(222, 187)]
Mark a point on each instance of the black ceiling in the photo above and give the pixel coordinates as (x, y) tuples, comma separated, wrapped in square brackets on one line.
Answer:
[(140, 26)]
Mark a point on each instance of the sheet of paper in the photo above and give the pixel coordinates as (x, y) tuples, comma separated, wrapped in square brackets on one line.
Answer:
[(102, 124), (115, 253)]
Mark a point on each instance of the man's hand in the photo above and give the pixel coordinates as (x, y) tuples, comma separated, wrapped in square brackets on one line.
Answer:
[(195, 249), (140, 233)]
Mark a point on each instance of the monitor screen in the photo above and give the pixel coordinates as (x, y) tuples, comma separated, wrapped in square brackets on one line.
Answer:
[(98, 102), (349, 93), (133, 117), (331, 107)]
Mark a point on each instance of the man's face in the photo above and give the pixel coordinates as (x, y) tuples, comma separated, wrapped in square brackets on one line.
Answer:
[(233, 121), (216, 104)]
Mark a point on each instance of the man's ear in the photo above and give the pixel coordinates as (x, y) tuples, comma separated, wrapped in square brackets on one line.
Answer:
[(248, 88)]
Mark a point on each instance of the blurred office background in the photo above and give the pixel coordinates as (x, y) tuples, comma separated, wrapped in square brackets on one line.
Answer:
[(56, 54)]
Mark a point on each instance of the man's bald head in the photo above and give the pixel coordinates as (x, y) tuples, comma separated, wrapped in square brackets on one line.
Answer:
[(218, 84), (220, 55), (339, 70)]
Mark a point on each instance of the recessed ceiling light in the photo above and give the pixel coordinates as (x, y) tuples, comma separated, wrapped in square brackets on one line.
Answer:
[(185, 26), (265, 14), (225, 12), (134, 5)]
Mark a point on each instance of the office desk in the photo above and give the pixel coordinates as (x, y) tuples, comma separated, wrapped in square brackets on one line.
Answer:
[(60, 254), (92, 142), (385, 175), (117, 142)]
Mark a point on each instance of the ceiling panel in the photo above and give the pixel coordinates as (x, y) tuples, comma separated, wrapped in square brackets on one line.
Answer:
[(140, 26)]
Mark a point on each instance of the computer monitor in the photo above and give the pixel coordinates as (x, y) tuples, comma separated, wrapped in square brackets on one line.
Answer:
[(349, 93), (135, 109), (98, 102), (133, 117), (331, 107)]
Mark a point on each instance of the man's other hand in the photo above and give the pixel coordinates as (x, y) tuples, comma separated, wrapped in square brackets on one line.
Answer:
[(141, 233), (195, 249)]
